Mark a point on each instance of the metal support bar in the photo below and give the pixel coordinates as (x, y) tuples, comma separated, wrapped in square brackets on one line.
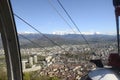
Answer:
[(10, 41), (117, 27)]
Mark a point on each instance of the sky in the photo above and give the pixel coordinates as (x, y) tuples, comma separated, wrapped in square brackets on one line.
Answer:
[(90, 15)]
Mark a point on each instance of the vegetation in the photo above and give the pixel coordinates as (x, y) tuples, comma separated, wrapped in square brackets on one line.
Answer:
[(28, 65), (41, 58), (24, 56), (30, 76), (3, 74), (27, 76)]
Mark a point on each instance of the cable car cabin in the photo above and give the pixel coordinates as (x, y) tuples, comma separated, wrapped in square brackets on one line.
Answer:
[(114, 60), (102, 73), (13, 57)]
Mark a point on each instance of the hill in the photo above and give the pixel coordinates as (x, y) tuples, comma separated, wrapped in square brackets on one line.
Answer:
[(63, 39)]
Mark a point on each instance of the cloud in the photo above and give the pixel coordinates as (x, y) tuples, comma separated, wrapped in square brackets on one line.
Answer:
[(27, 32), (71, 32)]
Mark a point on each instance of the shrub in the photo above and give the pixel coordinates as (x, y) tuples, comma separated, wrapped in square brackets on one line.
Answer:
[(26, 76)]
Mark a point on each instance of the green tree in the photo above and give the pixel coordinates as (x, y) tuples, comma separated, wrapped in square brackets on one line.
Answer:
[(26, 76)]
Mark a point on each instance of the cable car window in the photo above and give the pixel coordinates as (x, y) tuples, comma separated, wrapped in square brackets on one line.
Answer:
[(64, 40), (3, 66)]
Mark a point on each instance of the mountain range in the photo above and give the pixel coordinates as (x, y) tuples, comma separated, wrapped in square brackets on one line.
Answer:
[(37, 40), (45, 40)]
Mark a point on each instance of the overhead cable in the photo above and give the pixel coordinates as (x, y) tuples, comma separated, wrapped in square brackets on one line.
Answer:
[(73, 22), (30, 41), (61, 16), (53, 42)]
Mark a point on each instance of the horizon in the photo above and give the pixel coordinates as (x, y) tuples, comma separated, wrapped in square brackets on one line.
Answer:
[(66, 33)]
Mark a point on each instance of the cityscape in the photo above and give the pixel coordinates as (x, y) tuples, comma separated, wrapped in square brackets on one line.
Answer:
[(68, 62), (59, 40)]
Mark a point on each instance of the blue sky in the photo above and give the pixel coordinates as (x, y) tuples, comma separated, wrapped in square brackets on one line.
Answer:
[(89, 15)]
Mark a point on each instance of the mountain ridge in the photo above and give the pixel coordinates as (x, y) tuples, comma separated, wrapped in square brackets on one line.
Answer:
[(62, 39)]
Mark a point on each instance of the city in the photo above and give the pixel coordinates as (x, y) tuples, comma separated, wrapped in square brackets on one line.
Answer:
[(69, 64)]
